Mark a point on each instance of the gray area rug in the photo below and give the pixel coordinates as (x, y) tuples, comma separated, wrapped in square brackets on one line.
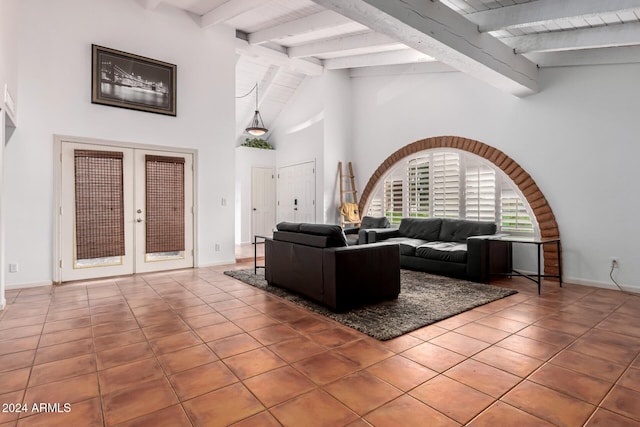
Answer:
[(424, 299)]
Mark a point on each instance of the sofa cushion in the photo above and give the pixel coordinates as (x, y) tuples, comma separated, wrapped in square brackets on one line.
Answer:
[(443, 251), (458, 230), (336, 237), (407, 246), (421, 228), (375, 222)]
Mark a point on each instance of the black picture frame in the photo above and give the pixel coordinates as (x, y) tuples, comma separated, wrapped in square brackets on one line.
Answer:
[(125, 80)]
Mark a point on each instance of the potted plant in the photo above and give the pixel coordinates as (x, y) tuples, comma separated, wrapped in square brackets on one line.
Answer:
[(257, 143)]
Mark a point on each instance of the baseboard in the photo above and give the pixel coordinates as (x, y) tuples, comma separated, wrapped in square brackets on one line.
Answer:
[(602, 285), (27, 285), (217, 263)]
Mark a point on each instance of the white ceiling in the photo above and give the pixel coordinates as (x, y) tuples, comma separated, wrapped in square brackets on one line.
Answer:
[(500, 42)]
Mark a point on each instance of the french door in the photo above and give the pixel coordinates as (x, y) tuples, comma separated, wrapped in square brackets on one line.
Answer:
[(123, 211)]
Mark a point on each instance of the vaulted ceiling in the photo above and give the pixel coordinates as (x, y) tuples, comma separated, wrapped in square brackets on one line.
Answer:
[(500, 42)]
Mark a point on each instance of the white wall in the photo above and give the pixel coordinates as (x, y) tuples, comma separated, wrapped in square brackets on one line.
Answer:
[(298, 135), (577, 138), (54, 63), (8, 78), (316, 124), (337, 139)]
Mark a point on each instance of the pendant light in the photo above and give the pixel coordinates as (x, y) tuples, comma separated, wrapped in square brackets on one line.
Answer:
[(256, 128)]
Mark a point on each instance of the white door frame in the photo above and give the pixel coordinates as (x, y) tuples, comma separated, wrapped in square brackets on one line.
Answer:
[(57, 193)]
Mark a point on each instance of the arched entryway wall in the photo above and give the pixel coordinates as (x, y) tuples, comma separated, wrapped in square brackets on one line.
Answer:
[(538, 203)]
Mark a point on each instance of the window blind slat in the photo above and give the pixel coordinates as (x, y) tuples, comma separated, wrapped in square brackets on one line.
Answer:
[(99, 202)]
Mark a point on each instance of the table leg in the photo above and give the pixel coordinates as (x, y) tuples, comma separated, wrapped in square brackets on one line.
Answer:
[(539, 272)]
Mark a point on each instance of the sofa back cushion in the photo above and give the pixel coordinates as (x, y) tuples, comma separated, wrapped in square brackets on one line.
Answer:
[(458, 230), (421, 228), (330, 236), (374, 222)]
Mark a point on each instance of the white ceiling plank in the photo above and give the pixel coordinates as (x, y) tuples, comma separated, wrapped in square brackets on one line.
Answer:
[(304, 66), (584, 38), (438, 31), (150, 4), (340, 44), (611, 55), (545, 10), (228, 10), (308, 24), (404, 56)]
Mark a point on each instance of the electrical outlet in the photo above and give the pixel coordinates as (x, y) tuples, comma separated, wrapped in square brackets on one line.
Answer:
[(13, 268), (216, 247), (614, 263)]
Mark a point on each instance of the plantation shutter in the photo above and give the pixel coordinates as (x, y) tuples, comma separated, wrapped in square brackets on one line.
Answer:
[(376, 206), (514, 215), (393, 200), (418, 191), (446, 185), (480, 194), (164, 204), (99, 204)]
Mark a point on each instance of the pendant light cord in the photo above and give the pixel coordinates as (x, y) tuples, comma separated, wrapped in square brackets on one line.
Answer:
[(255, 87)]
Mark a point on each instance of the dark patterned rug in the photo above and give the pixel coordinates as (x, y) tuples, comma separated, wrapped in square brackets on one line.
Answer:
[(424, 299)]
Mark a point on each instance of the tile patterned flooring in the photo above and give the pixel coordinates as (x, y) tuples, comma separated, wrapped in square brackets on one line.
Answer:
[(195, 347)]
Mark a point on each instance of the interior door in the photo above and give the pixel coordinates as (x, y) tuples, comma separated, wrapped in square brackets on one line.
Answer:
[(120, 216), (297, 193), (262, 201)]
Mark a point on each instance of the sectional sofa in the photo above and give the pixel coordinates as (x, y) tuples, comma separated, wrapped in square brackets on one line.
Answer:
[(450, 247)]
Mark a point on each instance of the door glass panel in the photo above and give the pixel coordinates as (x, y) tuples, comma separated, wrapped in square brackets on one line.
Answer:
[(164, 177), (99, 215)]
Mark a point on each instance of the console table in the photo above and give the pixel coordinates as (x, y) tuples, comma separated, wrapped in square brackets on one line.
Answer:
[(539, 243), (255, 252)]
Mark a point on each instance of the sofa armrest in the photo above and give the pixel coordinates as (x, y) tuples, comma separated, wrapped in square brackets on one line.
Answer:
[(356, 274), (380, 234), (486, 256)]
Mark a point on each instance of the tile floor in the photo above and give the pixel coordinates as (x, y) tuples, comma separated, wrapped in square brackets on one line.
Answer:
[(199, 348)]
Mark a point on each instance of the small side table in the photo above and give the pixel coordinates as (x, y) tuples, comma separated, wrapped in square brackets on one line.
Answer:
[(536, 278), (255, 251)]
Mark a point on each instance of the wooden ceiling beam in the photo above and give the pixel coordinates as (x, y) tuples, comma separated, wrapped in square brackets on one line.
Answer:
[(585, 38), (227, 11), (403, 56), (541, 11), (307, 67), (439, 32), (612, 55), (341, 44), (308, 24)]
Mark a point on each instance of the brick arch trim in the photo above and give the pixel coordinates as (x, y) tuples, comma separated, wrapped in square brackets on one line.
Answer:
[(538, 203)]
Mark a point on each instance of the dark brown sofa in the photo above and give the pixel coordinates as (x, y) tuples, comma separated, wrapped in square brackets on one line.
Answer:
[(450, 247), (315, 261)]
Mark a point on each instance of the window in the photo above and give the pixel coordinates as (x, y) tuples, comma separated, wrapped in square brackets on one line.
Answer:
[(418, 187), (448, 183)]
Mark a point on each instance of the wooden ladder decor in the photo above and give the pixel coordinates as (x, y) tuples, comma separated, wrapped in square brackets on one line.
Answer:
[(349, 213)]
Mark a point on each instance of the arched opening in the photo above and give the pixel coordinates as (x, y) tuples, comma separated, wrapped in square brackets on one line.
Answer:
[(548, 228)]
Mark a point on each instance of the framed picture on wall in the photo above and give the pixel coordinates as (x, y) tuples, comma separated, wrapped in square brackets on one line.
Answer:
[(125, 80)]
